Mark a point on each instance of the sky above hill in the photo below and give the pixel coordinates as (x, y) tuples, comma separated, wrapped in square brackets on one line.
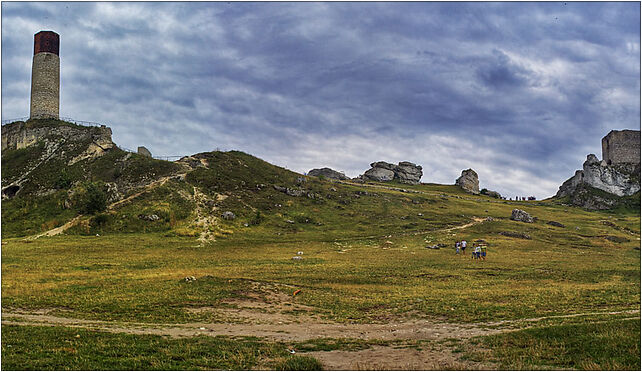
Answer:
[(520, 92)]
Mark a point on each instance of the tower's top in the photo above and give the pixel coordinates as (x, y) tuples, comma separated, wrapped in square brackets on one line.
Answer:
[(46, 41)]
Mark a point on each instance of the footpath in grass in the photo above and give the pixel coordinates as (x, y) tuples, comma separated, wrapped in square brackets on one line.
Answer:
[(611, 345), (61, 348)]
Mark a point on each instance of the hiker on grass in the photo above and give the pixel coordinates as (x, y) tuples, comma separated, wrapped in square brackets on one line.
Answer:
[(483, 252), (476, 253), (457, 245), (463, 247)]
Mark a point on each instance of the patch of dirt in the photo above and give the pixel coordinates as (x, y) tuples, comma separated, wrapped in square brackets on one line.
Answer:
[(276, 326), (387, 358), (205, 220)]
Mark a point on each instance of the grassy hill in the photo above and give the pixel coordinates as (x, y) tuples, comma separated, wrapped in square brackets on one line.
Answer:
[(365, 258)]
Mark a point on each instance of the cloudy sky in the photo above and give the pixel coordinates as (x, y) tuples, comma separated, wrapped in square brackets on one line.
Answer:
[(520, 92)]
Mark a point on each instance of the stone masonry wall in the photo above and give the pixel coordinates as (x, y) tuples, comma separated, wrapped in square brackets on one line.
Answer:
[(621, 146), (45, 86)]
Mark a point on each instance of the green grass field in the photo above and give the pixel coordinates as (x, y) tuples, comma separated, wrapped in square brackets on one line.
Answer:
[(364, 261)]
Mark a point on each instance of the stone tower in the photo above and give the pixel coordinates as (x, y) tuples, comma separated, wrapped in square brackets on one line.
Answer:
[(45, 76), (621, 146)]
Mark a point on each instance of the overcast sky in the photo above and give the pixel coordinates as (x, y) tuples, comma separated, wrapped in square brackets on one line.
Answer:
[(520, 92)]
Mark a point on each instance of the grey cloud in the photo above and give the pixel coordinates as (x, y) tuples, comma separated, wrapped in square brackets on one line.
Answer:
[(520, 91)]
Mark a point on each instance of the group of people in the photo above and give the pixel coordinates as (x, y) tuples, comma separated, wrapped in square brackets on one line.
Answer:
[(479, 251)]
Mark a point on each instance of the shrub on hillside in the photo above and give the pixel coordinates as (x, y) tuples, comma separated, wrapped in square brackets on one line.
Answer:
[(93, 199)]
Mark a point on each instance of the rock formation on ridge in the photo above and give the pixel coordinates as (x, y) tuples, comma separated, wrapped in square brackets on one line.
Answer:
[(405, 172), (468, 181)]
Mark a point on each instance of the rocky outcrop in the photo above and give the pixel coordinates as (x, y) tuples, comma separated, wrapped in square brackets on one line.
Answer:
[(328, 173), (608, 183), (620, 179), (520, 215), (19, 135), (468, 181), (405, 172)]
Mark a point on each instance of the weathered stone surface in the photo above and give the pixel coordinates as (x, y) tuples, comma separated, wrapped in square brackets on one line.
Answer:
[(142, 150), (45, 86), (555, 223), (149, 217), (621, 146), (621, 179), (408, 172), (603, 184), (468, 181), (379, 174), (405, 172), (289, 191), (19, 135), (327, 173), (227, 215), (520, 215)]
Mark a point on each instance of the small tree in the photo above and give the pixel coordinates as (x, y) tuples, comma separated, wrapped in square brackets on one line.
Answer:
[(95, 198)]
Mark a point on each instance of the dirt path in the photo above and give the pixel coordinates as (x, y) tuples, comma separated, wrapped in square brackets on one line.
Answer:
[(159, 182), (59, 229), (274, 319), (277, 327)]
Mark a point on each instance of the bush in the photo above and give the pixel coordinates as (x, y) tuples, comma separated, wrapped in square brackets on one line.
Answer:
[(99, 220), (64, 180), (95, 198)]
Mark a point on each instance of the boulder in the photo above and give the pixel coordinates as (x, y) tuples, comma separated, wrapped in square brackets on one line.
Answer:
[(379, 174), (408, 172), (520, 215), (491, 193), (555, 223), (328, 173), (468, 181), (227, 215), (405, 172), (142, 150), (149, 217)]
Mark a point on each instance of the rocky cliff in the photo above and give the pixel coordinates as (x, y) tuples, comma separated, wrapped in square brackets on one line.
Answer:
[(622, 179), (41, 157), (604, 184)]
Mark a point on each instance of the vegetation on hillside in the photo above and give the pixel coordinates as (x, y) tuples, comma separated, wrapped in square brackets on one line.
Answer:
[(369, 253)]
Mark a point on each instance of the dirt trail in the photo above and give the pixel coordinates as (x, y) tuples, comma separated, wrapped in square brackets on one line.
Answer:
[(159, 182), (276, 318), (59, 229), (278, 327)]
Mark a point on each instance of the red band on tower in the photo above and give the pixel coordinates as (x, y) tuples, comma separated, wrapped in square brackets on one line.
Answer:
[(46, 41)]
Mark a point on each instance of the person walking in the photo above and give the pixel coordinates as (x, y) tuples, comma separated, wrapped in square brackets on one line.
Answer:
[(457, 246), (483, 252), (463, 246), (476, 253)]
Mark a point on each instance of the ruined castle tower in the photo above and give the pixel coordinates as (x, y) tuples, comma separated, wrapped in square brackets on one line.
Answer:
[(621, 146), (45, 76)]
